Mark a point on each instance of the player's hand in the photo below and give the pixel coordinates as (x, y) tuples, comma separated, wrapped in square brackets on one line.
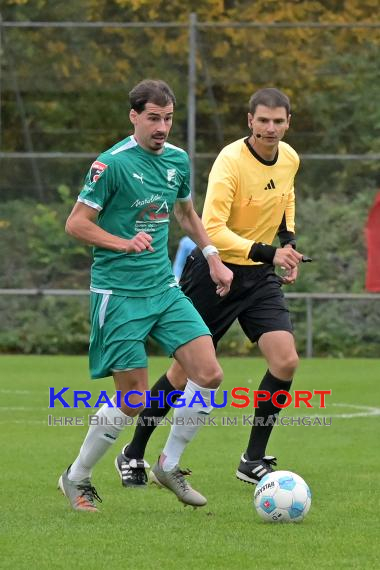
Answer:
[(139, 243), (220, 274), (287, 258)]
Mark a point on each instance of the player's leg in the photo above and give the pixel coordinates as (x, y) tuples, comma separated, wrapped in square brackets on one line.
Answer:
[(198, 358), (174, 379), (130, 462), (105, 428), (108, 423), (219, 314), (267, 322), (204, 377), (111, 352), (182, 332)]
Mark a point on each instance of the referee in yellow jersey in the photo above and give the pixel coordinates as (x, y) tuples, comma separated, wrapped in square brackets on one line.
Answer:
[(250, 200)]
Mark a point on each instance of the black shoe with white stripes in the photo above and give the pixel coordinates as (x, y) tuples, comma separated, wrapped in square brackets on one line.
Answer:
[(254, 471), (132, 471)]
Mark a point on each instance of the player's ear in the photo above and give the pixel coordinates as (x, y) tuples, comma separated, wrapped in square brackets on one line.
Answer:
[(250, 119), (133, 116), (288, 124)]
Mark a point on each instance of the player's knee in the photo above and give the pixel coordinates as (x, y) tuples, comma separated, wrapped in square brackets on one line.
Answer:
[(177, 376), (210, 376), (132, 404)]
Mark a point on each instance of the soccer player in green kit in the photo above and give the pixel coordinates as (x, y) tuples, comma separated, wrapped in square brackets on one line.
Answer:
[(123, 211)]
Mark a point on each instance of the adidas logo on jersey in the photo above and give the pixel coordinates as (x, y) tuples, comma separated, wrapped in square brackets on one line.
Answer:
[(270, 185)]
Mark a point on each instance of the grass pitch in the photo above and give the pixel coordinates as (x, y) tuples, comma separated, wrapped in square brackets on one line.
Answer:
[(150, 529)]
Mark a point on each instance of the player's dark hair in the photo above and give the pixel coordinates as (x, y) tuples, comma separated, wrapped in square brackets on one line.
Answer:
[(270, 97), (151, 91)]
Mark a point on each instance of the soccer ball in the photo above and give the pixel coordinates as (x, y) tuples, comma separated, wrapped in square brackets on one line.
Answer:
[(282, 496)]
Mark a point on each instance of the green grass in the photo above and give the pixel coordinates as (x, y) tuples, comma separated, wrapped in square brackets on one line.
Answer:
[(150, 529)]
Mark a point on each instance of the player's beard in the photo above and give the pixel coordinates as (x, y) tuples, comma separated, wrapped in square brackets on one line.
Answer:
[(158, 142)]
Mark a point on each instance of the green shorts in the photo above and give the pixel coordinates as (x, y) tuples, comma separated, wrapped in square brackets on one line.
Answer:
[(120, 327)]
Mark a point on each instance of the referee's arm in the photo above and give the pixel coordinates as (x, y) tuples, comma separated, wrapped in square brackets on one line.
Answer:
[(286, 230)]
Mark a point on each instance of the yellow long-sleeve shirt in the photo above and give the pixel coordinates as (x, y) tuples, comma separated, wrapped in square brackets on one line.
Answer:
[(248, 199)]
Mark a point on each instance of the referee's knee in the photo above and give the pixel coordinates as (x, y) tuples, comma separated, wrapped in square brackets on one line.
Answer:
[(289, 364)]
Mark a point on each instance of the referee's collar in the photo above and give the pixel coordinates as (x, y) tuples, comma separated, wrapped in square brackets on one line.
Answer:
[(258, 157)]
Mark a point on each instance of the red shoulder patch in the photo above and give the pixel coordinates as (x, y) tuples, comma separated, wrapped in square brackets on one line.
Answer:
[(97, 169)]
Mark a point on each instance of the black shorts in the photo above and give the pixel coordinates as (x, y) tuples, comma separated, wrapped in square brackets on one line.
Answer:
[(255, 298)]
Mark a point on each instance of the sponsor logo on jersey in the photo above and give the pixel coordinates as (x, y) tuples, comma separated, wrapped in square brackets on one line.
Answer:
[(155, 212), (152, 198), (97, 169), (161, 213)]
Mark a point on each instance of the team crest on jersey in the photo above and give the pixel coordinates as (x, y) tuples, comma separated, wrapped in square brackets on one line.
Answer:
[(171, 177), (97, 169)]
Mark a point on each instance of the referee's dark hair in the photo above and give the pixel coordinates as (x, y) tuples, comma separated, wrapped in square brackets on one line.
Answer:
[(151, 91), (269, 97)]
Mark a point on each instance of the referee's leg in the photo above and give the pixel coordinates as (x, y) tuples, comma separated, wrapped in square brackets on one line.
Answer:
[(279, 350)]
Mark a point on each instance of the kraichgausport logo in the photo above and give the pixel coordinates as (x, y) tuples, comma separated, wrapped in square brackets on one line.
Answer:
[(239, 397)]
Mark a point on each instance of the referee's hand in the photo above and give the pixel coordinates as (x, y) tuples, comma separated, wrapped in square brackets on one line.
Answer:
[(287, 258)]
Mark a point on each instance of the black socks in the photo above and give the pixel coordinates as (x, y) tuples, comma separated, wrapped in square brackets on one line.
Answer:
[(136, 448), (260, 433)]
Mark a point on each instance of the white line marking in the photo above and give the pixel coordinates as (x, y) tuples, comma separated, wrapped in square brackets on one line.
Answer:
[(15, 391), (22, 409), (23, 422), (366, 412), (369, 411)]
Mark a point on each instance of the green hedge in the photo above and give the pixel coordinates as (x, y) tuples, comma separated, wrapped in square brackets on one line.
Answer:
[(60, 325), (35, 252)]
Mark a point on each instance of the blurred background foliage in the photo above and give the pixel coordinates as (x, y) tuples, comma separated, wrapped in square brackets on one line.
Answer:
[(64, 90)]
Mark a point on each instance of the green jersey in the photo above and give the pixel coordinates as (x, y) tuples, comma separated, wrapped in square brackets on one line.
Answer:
[(134, 191)]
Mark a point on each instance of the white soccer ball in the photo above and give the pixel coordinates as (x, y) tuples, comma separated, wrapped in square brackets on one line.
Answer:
[(282, 496)]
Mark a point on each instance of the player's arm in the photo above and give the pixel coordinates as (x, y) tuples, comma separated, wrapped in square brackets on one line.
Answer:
[(184, 248), (81, 224), (191, 224)]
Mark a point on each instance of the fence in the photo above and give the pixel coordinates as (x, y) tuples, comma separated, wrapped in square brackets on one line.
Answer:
[(52, 70), (308, 298)]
